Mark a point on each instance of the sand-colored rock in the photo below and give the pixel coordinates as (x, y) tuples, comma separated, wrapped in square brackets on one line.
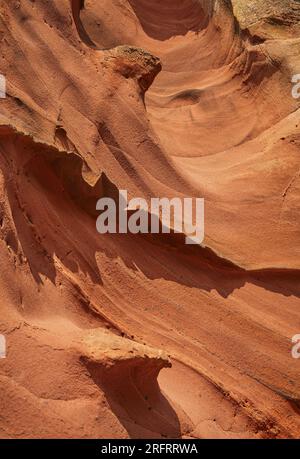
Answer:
[(135, 336)]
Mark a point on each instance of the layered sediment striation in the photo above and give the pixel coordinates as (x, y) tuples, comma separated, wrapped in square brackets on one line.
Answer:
[(135, 336)]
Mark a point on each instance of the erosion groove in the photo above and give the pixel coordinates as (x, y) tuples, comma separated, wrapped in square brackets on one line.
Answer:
[(142, 336)]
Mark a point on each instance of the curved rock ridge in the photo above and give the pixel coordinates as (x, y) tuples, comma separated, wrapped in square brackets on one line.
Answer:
[(225, 90), (142, 336)]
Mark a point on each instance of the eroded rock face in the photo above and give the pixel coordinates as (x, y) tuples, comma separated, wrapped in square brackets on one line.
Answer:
[(132, 62), (94, 322)]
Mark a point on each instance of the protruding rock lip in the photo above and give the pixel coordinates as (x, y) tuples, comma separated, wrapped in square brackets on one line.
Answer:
[(109, 350), (136, 63)]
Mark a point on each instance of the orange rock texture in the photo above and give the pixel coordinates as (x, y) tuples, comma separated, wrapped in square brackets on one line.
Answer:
[(143, 336)]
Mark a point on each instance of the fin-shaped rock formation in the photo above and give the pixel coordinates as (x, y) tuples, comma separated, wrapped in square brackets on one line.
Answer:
[(142, 336)]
